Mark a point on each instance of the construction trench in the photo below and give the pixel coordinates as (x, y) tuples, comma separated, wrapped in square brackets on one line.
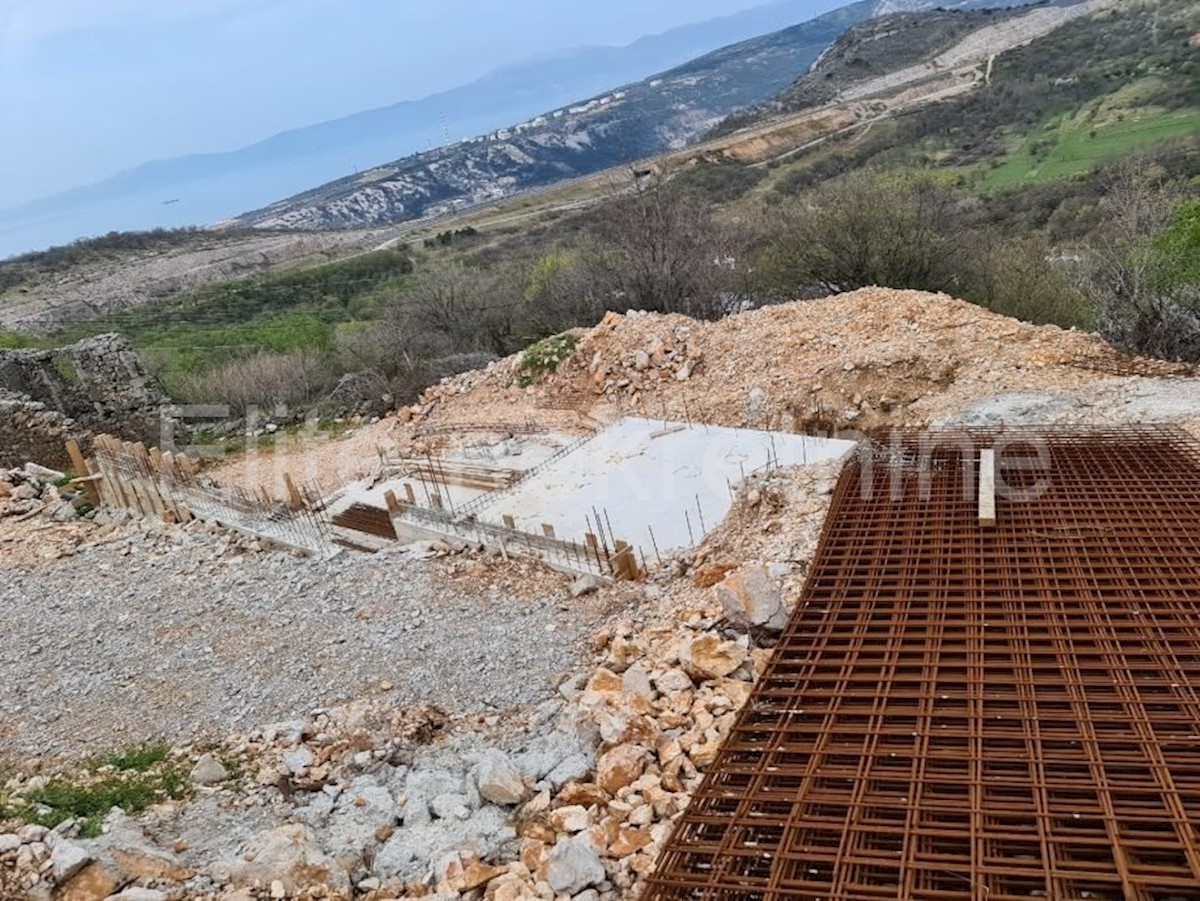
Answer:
[(960, 710)]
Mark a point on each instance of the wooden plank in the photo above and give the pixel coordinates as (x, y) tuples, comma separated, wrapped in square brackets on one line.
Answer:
[(547, 530), (393, 503), (90, 489), (625, 562), (987, 487), (296, 498), (409, 493), (509, 522)]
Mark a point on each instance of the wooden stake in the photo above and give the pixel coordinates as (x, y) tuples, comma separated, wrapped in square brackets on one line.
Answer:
[(626, 563), (297, 499), (90, 489)]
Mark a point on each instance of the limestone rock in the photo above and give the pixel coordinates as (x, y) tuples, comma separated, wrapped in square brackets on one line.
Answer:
[(585, 585), (709, 657), (751, 598), (92, 883), (66, 859), (363, 810), (298, 760), (137, 893), (572, 818), (673, 681), (209, 771), (636, 681), (499, 781), (574, 865), (289, 854), (620, 767)]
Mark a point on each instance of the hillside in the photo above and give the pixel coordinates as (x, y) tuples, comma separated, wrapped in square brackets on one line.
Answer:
[(878, 46), (628, 123), (215, 186)]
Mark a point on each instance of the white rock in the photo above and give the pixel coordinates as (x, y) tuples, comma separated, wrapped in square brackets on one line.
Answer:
[(67, 859), (672, 681), (498, 780), (450, 807), (9, 842), (298, 760), (209, 771), (64, 513), (636, 681), (289, 854), (585, 585), (574, 865), (137, 893), (575, 768), (751, 598), (570, 819)]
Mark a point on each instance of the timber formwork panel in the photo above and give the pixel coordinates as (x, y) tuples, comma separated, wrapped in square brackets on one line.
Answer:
[(967, 712)]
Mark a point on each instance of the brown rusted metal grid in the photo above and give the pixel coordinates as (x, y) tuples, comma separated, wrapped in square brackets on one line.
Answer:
[(959, 712)]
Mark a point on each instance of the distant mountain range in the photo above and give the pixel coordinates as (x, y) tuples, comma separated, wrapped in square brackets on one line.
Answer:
[(206, 188)]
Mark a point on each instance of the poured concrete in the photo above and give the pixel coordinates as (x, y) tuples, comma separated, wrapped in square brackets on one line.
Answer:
[(646, 476)]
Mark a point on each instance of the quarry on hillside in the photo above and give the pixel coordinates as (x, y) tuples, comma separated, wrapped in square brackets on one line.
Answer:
[(533, 612)]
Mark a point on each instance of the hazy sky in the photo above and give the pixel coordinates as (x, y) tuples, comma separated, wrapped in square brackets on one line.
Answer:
[(91, 87)]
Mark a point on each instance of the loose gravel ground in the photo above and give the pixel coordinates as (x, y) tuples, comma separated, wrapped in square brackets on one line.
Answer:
[(179, 637)]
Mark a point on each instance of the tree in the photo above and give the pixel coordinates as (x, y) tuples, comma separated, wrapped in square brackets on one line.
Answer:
[(1140, 269), (898, 230), (659, 248)]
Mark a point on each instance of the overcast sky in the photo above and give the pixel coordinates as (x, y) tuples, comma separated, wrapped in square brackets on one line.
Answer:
[(91, 87)]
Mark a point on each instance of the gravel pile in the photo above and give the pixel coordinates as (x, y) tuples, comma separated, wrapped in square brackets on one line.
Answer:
[(173, 634)]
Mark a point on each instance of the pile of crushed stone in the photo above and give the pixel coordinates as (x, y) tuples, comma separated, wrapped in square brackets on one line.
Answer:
[(871, 359)]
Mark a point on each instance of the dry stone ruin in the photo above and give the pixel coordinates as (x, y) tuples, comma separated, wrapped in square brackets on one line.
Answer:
[(50, 396)]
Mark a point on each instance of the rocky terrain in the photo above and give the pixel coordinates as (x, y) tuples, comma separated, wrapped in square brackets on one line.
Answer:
[(661, 113), (436, 721), (42, 303)]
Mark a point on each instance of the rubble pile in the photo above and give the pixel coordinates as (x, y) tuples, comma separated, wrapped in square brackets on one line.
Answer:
[(871, 359), (36, 490)]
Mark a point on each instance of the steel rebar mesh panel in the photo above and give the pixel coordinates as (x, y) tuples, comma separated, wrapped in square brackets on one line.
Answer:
[(960, 712)]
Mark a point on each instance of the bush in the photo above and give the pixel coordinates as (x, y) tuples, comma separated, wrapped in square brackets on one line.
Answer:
[(266, 380), (898, 230)]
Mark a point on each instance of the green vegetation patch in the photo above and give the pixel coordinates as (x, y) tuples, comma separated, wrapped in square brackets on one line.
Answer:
[(139, 759), (132, 781), (545, 357), (12, 341), (1076, 144)]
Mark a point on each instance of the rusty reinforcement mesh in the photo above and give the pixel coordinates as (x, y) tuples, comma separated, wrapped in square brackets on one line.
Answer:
[(958, 712)]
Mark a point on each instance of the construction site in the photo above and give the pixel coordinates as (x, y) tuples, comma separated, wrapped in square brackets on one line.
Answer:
[(799, 604)]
